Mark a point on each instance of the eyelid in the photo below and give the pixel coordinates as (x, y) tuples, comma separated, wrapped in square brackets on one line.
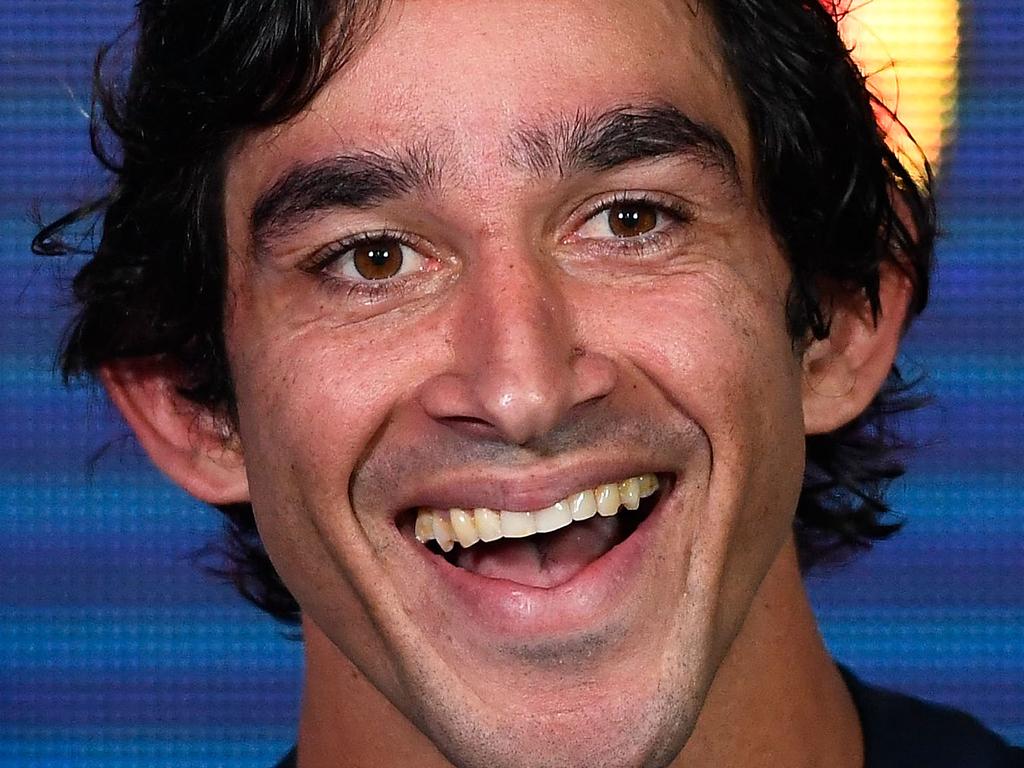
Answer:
[(328, 254), (365, 291), (663, 203)]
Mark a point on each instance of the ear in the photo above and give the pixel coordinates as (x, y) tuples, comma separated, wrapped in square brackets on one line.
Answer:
[(194, 447), (843, 373)]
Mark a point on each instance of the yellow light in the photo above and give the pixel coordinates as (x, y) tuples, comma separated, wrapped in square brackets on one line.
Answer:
[(908, 48)]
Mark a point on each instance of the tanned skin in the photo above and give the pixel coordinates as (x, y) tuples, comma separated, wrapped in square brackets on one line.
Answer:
[(523, 349)]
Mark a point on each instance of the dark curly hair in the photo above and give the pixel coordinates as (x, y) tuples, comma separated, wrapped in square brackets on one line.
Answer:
[(206, 73)]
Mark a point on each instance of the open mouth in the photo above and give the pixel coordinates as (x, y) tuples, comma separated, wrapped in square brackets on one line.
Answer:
[(542, 548)]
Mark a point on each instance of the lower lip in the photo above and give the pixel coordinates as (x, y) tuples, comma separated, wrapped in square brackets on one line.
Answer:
[(510, 610)]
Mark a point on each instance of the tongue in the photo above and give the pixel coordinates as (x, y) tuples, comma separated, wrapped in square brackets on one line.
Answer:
[(543, 560)]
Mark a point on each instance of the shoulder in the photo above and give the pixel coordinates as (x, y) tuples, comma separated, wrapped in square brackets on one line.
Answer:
[(902, 731), (288, 761)]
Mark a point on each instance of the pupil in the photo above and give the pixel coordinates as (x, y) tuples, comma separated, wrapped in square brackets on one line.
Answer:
[(630, 221), (378, 261)]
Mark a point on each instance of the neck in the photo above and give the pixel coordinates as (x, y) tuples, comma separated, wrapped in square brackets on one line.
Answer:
[(777, 699)]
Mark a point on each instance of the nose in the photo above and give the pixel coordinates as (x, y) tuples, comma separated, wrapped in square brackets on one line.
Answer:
[(517, 367)]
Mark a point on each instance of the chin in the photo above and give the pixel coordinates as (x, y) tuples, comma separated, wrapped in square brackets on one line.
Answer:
[(626, 728)]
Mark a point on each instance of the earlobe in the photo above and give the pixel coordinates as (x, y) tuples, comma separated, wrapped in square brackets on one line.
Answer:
[(843, 373), (193, 447)]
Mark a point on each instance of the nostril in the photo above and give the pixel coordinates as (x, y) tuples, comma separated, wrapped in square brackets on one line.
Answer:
[(467, 420), (471, 426), (515, 400)]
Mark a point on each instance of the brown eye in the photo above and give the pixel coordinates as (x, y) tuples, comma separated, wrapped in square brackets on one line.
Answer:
[(632, 219), (379, 260)]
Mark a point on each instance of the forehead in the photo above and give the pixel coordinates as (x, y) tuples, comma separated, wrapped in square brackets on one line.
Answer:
[(467, 75)]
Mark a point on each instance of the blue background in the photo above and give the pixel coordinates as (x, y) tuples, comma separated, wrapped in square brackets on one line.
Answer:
[(116, 651)]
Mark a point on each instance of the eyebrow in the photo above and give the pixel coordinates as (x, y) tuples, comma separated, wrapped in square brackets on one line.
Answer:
[(622, 135), (356, 180), (582, 142)]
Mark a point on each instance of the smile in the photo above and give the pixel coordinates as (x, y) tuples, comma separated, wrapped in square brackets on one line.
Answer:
[(544, 548), (468, 527)]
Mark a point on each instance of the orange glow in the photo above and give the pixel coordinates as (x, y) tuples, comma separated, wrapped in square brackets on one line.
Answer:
[(909, 50)]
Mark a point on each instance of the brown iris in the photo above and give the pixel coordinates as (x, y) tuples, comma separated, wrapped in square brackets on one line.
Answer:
[(631, 220), (377, 261)]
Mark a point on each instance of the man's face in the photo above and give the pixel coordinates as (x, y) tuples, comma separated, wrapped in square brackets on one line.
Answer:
[(513, 253)]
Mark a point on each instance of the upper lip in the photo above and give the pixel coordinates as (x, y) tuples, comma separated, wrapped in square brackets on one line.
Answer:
[(516, 489)]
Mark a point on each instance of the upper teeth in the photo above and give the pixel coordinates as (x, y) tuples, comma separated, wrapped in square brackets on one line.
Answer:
[(468, 526)]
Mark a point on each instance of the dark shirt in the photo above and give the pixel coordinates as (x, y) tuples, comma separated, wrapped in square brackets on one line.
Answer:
[(903, 732)]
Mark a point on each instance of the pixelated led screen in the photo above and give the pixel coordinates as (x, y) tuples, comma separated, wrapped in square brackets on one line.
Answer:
[(115, 650)]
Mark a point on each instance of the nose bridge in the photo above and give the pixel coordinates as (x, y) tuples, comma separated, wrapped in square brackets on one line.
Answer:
[(514, 370), (521, 315), (516, 349)]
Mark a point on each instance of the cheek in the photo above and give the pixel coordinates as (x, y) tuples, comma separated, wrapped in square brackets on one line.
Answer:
[(719, 351), (311, 399), (714, 346)]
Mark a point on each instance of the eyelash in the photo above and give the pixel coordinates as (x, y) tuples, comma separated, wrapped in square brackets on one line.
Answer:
[(641, 245), (371, 290), (379, 290)]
